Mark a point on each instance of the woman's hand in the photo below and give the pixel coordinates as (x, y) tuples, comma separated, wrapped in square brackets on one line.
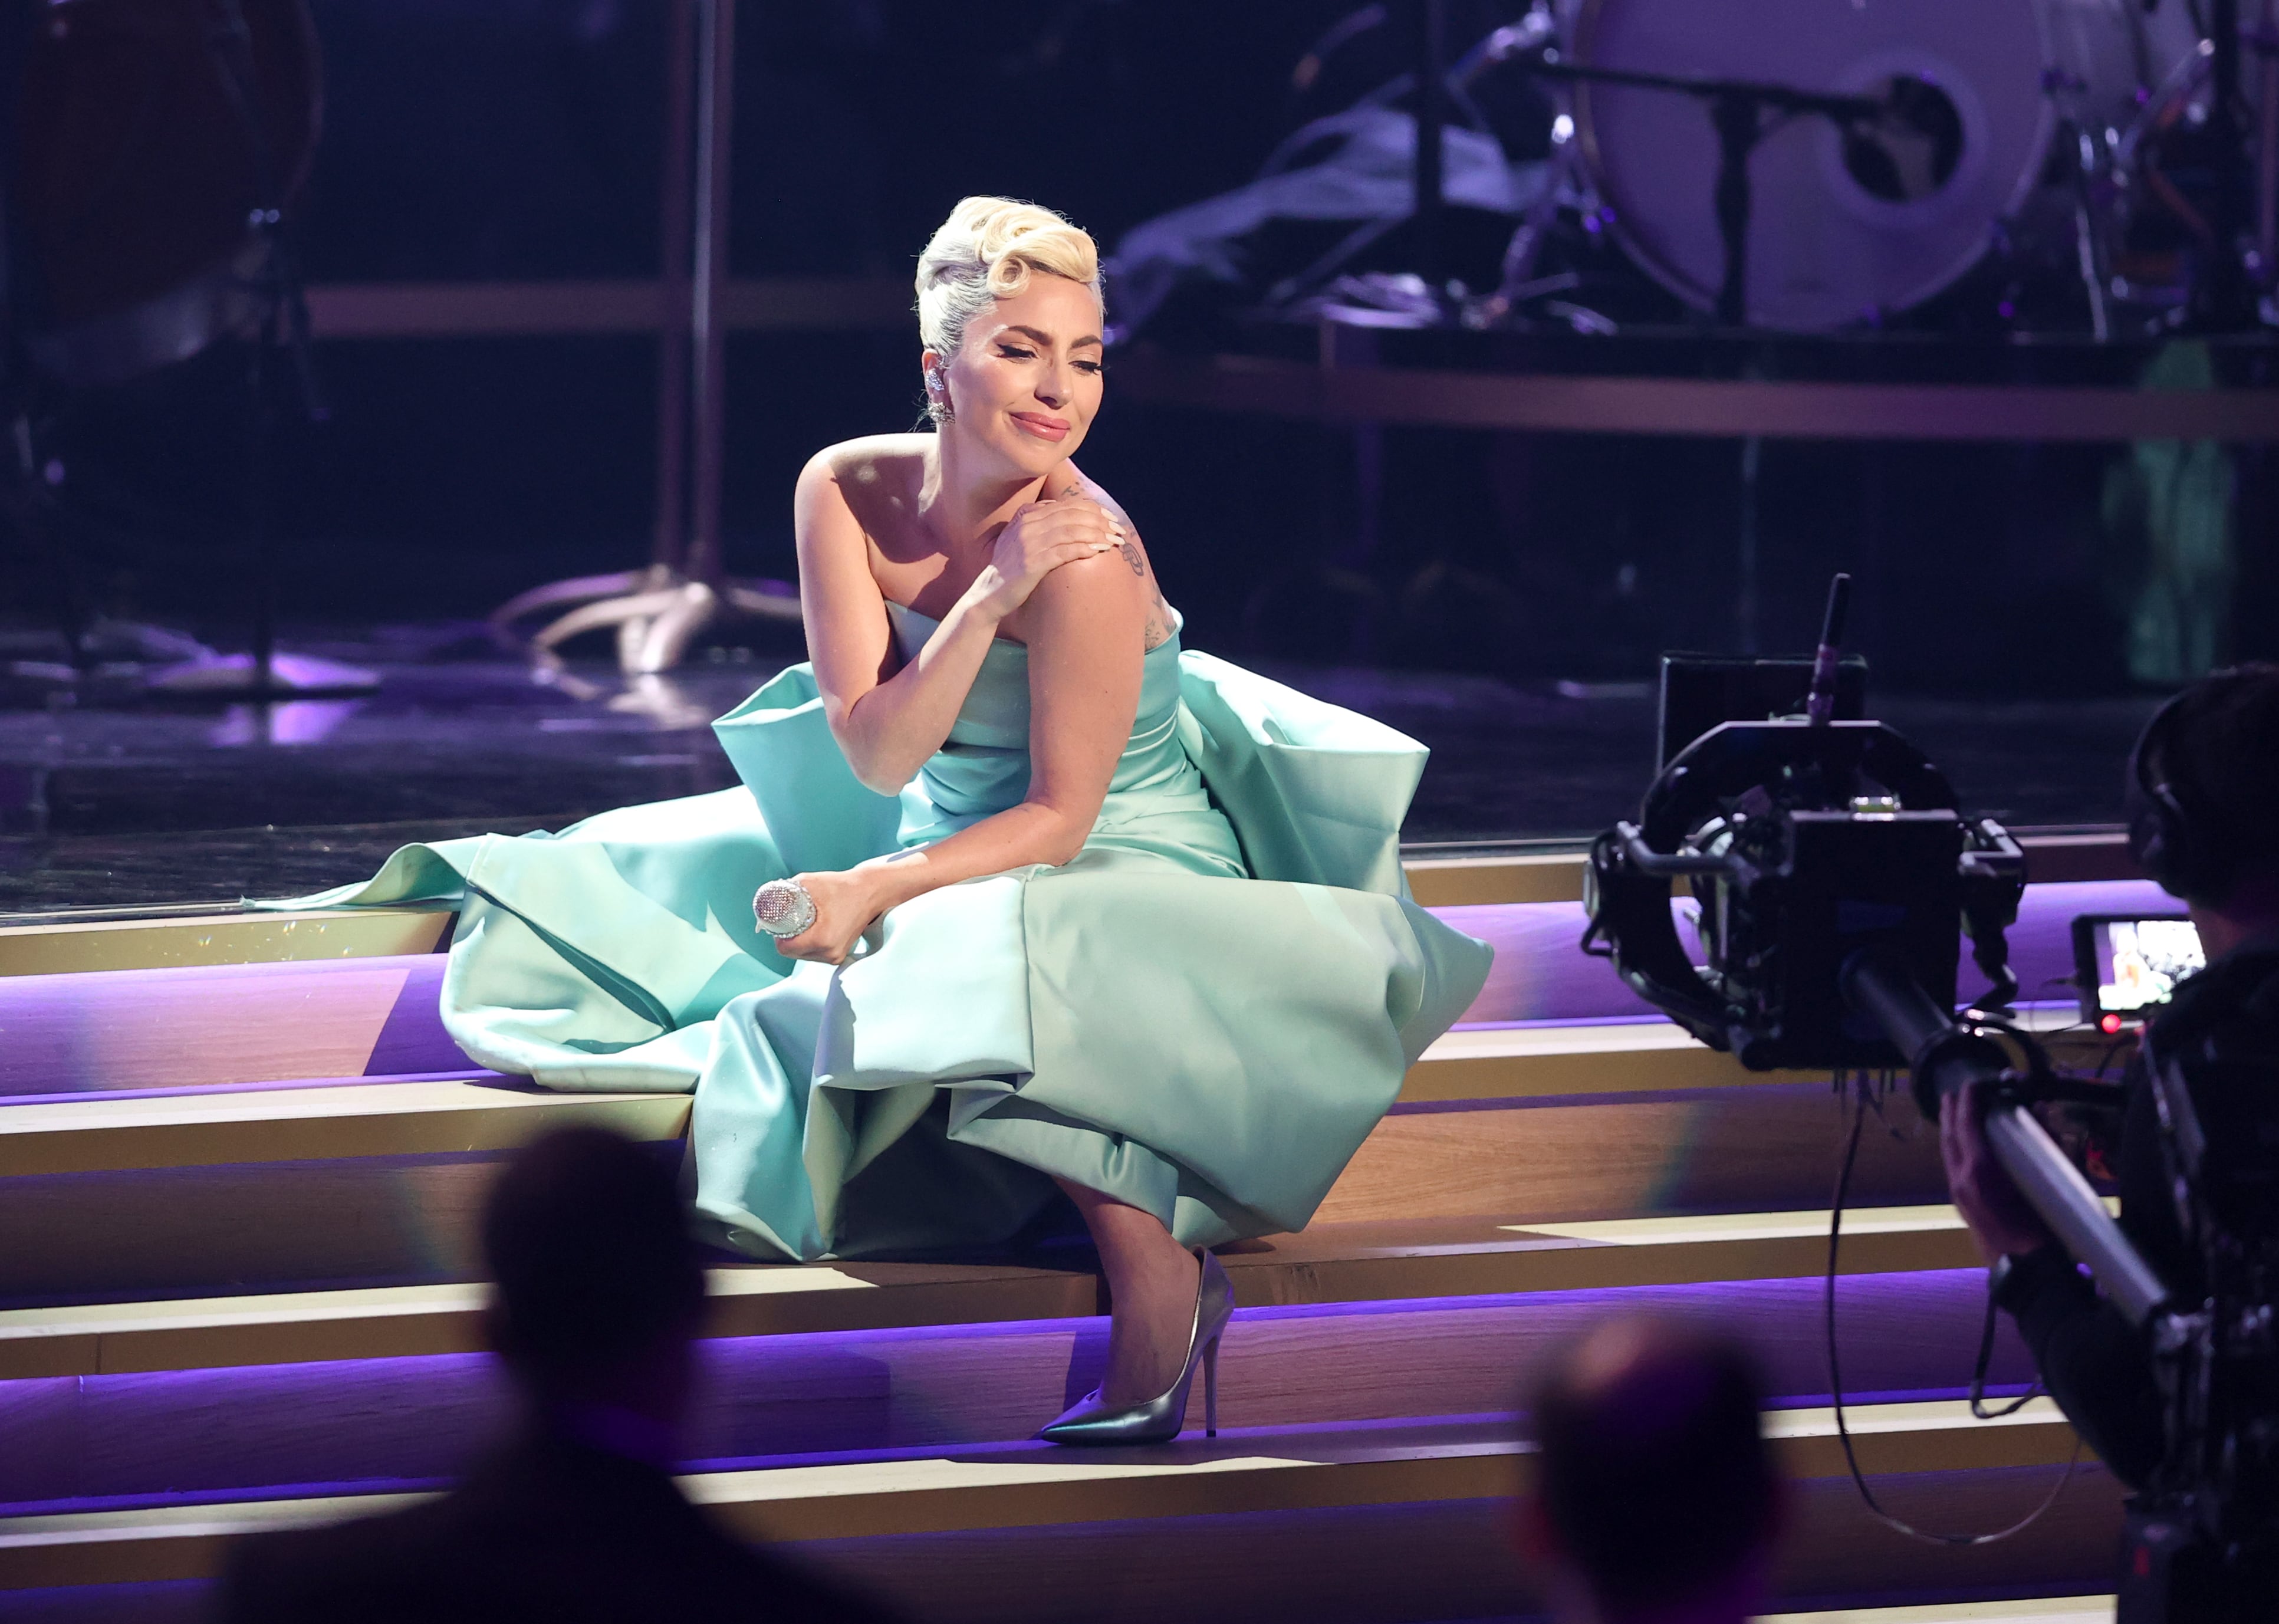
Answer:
[(1042, 537), (845, 905)]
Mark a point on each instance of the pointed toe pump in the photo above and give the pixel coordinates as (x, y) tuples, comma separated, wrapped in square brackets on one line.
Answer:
[(1158, 1420)]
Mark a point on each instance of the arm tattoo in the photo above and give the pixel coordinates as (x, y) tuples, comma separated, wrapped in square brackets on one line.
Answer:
[(1131, 556)]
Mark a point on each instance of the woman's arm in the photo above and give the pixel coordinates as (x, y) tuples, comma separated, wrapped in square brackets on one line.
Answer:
[(886, 720), (1084, 626), (888, 716)]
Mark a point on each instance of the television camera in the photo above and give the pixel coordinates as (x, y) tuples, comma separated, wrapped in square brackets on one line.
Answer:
[(1832, 870)]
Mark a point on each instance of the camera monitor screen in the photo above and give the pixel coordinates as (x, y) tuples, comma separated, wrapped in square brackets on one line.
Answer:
[(2129, 965)]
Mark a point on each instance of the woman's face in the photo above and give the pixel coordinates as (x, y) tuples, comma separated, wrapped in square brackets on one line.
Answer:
[(1025, 382)]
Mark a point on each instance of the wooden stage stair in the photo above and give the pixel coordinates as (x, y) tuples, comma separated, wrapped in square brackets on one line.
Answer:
[(241, 1162)]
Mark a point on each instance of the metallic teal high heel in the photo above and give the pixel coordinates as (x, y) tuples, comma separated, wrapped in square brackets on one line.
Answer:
[(1158, 1420)]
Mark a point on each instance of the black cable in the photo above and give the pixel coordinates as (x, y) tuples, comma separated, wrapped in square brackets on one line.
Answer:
[(1978, 1373), (1977, 1384)]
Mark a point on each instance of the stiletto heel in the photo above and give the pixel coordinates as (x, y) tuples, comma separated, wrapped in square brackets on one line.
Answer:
[(1210, 1387), (1158, 1420)]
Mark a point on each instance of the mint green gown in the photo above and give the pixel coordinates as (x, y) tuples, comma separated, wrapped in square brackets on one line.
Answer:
[(1203, 1014)]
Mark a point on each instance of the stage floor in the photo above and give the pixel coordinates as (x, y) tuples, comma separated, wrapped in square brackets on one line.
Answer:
[(140, 806)]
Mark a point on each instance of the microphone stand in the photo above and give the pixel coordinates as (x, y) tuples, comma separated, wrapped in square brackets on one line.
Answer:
[(658, 612), (284, 324)]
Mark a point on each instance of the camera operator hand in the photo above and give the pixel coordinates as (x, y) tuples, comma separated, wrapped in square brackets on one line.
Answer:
[(2002, 1222)]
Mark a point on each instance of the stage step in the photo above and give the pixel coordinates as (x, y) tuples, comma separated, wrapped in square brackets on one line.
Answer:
[(173, 1033), (1330, 1263), (1450, 1560), (314, 1119), (254, 1432), (399, 1322), (284, 1110), (100, 1135), (224, 1025), (1443, 1561), (2052, 1610), (219, 1026), (195, 939), (370, 1183), (1035, 1486), (374, 1184), (1470, 877)]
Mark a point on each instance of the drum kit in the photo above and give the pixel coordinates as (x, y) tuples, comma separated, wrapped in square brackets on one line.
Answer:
[(1814, 165)]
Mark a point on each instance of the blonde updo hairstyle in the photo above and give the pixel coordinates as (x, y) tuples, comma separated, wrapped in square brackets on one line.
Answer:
[(987, 251)]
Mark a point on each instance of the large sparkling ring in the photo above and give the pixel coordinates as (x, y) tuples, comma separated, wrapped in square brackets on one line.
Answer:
[(783, 908)]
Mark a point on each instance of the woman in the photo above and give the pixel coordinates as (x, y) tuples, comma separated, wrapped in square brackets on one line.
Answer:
[(1086, 912)]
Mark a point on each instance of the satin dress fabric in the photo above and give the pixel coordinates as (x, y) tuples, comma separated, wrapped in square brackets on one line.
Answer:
[(1202, 1014)]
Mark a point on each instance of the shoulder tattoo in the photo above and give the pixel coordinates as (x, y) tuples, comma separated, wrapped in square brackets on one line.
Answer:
[(1131, 556)]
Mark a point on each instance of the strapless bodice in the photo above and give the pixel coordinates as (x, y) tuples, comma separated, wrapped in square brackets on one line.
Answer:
[(1155, 796), (996, 715)]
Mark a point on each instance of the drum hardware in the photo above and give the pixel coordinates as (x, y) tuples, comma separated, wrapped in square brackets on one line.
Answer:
[(1889, 214), (2010, 147), (2155, 184), (1318, 285), (1517, 280), (1901, 137), (2088, 264), (659, 611), (2170, 225), (2223, 300)]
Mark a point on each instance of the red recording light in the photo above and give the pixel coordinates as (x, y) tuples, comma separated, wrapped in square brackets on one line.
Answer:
[(2109, 1024)]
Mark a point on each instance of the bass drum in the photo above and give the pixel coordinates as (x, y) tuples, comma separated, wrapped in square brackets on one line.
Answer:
[(1844, 229)]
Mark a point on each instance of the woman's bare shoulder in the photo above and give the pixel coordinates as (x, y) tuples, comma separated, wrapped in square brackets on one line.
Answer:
[(1081, 598), (875, 482), (1134, 551), (1098, 492), (873, 459)]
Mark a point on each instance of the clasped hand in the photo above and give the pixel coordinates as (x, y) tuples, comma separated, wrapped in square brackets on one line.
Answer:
[(1040, 539)]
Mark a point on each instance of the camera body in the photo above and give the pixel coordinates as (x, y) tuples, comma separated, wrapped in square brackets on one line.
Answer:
[(1834, 880), (1808, 846), (1813, 889)]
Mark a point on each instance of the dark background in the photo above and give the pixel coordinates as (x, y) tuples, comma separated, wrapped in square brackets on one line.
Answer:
[(468, 139)]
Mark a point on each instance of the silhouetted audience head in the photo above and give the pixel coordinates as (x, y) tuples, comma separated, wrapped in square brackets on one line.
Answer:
[(574, 1515), (599, 1288), (1657, 1498)]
